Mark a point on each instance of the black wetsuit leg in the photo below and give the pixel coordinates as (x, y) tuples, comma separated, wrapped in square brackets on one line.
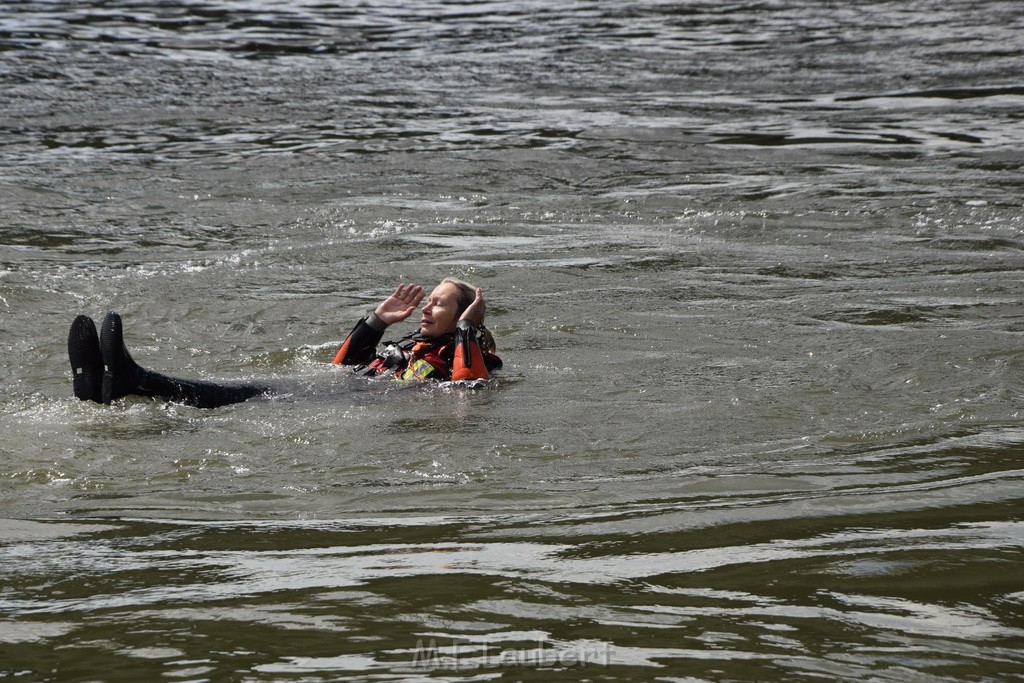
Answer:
[(122, 376), (198, 393)]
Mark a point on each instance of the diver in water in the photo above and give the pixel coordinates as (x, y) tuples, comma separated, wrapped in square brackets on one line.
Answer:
[(451, 344)]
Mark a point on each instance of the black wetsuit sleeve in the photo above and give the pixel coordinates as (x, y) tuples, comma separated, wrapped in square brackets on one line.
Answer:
[(360, 346)]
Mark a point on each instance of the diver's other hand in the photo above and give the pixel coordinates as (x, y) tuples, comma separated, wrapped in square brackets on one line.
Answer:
[(477, 309), (399, 305)]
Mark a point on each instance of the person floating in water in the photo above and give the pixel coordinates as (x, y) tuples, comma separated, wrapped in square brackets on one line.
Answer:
[(451, 344)]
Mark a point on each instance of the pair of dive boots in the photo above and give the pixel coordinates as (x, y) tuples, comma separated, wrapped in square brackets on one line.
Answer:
[(103, 371)]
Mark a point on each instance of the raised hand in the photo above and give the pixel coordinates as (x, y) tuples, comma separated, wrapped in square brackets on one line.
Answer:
[(400, 305), (477, 309)]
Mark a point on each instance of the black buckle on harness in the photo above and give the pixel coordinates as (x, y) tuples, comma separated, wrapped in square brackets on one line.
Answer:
[(465, 332)]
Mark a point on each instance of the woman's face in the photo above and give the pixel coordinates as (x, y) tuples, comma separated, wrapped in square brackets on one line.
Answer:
[(440, 313)]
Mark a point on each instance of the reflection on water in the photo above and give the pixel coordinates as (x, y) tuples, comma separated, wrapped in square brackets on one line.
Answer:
[(713, 609), (754, 270)]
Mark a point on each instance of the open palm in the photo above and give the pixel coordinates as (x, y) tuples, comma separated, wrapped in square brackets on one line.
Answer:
[(400, 305)]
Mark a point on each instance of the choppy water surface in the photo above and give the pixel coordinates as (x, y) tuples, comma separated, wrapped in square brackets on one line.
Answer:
[(755, 270)]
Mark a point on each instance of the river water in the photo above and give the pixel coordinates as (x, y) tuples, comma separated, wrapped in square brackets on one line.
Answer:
[(755, 270)]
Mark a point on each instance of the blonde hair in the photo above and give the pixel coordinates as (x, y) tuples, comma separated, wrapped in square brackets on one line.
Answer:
[(466, 295)]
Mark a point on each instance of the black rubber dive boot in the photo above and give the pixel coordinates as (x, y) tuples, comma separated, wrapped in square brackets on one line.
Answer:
[(86, 360), (120, 372)]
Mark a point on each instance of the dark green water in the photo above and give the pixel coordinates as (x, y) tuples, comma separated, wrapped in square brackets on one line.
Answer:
[(756, 272)]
